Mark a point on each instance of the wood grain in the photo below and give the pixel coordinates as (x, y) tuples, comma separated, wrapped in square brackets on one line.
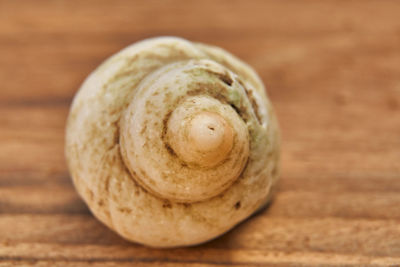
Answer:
[(332, 69)]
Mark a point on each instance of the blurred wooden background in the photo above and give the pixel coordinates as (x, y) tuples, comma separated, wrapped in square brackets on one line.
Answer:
[(332, 69)]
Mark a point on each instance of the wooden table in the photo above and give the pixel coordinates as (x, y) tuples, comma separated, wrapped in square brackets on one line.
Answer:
[(332, 69)]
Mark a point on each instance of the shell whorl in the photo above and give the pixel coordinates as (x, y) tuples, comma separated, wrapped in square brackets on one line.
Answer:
[(161, 131), (172, 143)]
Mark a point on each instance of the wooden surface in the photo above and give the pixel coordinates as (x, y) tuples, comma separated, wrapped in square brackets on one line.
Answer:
[(332, 69)]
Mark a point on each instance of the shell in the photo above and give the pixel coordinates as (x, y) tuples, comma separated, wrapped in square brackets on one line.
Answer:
[(130, 156)]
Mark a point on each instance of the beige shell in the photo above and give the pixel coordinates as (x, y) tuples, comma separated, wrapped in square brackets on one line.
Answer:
[(172, 143)]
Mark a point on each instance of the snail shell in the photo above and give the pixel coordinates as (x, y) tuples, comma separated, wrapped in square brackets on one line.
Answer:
[(172, 143)]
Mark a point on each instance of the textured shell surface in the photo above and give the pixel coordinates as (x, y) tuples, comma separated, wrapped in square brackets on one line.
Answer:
[(172, 143)]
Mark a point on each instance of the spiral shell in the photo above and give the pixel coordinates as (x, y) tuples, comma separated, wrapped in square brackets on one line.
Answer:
[(172, 143)]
